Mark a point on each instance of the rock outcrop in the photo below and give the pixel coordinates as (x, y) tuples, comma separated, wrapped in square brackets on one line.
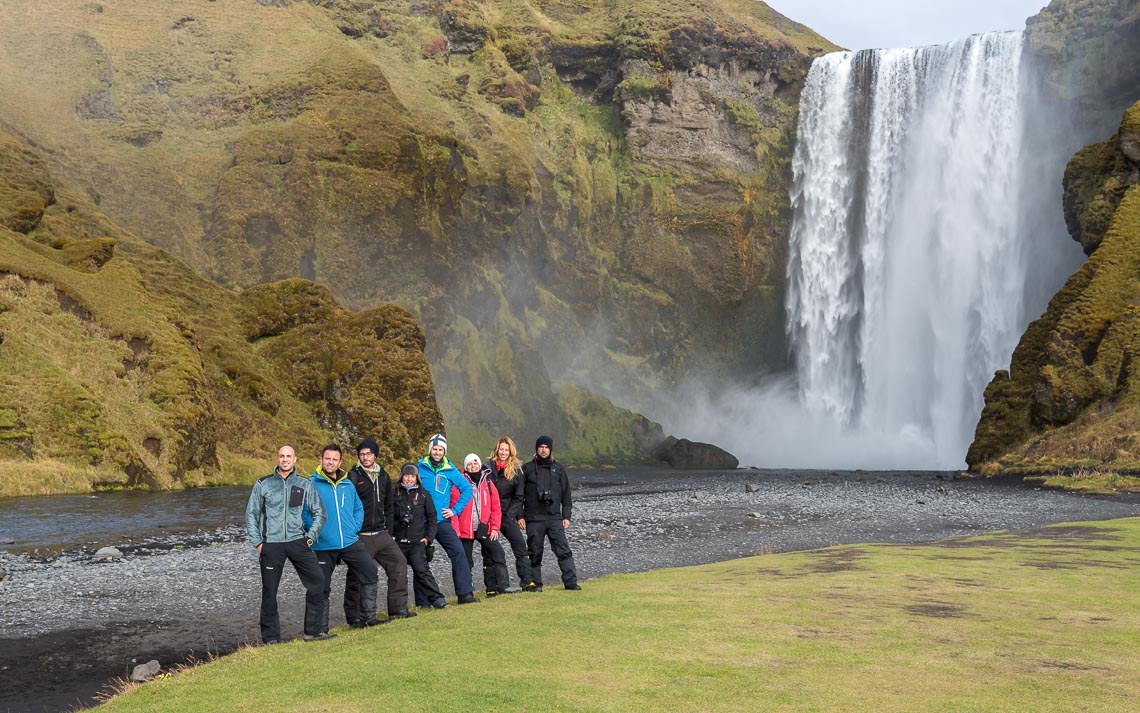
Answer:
[(587, 192), (119, 366), (692, 455), (1071, 397)]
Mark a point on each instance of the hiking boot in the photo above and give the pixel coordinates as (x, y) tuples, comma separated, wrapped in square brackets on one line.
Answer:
[(468, 598), (405, 614), (492, 593), (575, 587), (439, 604), (271, 642), (511, 590), (532, 587), (323, 636)]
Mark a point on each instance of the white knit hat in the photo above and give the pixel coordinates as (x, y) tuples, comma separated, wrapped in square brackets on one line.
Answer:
[(472, 457), (438, 440)]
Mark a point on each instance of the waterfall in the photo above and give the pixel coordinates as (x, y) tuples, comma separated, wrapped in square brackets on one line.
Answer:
[(908, 259)]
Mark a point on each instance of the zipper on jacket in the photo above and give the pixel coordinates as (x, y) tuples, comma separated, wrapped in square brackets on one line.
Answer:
[(285, 508)]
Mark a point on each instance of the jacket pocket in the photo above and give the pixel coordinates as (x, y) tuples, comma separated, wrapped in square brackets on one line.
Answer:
[(296, 497)]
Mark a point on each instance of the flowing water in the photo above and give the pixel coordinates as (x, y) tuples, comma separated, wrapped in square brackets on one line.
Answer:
[(916, 257)]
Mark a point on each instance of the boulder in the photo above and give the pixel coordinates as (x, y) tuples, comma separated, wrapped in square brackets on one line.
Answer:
[(683, 454), (108, 554), (145, 671)]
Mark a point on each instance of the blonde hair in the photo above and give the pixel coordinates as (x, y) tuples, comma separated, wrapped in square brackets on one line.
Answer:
[(513, 466)]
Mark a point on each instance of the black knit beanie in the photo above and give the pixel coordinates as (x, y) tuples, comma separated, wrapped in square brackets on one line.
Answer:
[(544, 441), (370, 445)]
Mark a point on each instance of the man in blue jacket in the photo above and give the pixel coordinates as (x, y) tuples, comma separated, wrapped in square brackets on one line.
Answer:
[(439, 477), (275, 522), (339, 541)]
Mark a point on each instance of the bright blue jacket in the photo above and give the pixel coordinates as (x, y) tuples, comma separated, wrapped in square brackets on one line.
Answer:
[(345, 511), (438, 482)]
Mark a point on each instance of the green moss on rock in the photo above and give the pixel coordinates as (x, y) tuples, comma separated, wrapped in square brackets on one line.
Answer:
[(119, 365), (1072, 392)]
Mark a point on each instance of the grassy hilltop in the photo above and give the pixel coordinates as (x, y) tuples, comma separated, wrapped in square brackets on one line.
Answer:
[(562, 191), (119, 366)]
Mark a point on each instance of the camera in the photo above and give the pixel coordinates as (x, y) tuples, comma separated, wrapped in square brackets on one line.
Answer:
[(405, 516), (545, 498)]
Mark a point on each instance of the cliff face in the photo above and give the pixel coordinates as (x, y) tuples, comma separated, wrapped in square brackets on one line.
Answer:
[(1068, 398), (1072, 394), (580, 191), (1090, 50), (120, 366)]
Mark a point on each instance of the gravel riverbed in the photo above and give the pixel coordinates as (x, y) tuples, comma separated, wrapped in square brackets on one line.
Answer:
[(69, 624)]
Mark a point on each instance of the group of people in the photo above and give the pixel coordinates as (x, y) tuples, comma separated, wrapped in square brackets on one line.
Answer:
[(363, 519)]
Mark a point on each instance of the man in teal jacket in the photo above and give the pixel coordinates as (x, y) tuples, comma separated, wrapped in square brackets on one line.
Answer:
[(275, 523), (439, 478), (339, 540)]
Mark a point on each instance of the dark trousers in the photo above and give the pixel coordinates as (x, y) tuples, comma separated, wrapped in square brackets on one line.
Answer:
[(272, 561), (495, 577), (421, 574), (387, 554), (460, 570), (517, 539), (552, 530), (359, 563)]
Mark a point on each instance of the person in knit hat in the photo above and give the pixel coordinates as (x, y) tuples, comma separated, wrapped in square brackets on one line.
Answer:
[(439, 477), (482, 520), (546, 514), (415, 529), (378, 497)]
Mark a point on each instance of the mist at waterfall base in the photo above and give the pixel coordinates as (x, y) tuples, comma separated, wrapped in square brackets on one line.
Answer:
[(927, 233)]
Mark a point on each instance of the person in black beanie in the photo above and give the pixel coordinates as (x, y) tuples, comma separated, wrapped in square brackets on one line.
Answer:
[(546, 514), (378, 497)]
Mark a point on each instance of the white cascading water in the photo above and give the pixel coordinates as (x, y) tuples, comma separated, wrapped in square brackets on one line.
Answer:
[(907, 267)]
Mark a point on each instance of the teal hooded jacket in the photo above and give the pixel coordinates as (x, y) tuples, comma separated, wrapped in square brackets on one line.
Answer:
[(345, 511)]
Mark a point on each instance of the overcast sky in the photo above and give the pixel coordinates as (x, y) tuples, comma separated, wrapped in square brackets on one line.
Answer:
[(906, 23)]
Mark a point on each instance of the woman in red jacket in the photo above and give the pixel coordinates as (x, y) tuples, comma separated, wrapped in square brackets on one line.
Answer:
[(482, 520)]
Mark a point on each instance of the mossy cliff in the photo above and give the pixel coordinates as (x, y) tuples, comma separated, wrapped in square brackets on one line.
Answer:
[(1090, 51), (1072, 395), (119, 366), (560, 191)]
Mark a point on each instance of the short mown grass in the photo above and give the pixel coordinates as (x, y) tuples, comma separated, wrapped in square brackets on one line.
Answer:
[(1045, 620)]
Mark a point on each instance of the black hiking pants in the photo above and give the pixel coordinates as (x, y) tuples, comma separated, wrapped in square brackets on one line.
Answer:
[(359, 563), (536, 532), (495, 577), (272, 563), (425, 584), (517, 539), (387, 554)]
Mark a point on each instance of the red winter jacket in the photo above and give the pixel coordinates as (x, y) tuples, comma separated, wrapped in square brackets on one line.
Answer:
[(490, 511)]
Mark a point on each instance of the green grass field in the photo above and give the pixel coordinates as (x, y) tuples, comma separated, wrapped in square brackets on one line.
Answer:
[(1045, 620)]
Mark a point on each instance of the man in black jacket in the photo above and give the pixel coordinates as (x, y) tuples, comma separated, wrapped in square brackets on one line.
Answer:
[(546, 514), (379, 499)]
